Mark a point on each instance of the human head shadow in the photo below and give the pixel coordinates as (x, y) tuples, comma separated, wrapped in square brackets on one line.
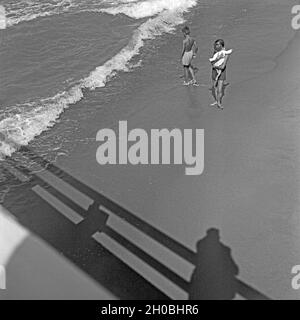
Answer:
[(215, 270)]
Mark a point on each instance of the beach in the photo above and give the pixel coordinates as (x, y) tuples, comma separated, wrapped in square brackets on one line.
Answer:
[(249, 188)]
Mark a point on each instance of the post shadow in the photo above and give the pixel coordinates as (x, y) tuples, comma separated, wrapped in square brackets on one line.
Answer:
[(76, 243)]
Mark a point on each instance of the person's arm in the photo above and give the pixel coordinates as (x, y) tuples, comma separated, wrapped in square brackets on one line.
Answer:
[(183, 49), (195, 48), (213, 59)]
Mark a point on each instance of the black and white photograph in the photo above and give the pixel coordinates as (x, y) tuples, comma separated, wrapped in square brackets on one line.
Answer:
[(149, 150)]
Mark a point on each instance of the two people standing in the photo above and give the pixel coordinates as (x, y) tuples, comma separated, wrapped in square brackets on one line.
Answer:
[(218, 63)]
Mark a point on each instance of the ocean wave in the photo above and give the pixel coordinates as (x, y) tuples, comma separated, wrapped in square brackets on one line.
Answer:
[(150, 8), (18, 11), (2, 18), (19, 128), (163, 23)]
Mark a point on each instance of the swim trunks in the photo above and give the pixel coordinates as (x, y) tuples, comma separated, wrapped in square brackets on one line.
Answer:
[(214, 74), (187, 58)]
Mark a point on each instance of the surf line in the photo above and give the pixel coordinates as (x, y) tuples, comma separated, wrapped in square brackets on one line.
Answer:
[(135, 147)]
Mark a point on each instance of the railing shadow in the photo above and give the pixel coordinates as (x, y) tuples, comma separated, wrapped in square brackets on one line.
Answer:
[(75, 241)]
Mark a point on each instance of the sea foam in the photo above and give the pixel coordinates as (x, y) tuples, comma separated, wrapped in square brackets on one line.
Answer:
[(2, 18), (144, 9)]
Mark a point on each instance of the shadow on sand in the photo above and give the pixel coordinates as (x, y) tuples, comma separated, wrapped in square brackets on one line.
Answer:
[(214, 275)]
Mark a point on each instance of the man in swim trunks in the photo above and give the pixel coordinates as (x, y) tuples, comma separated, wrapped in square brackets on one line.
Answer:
[(189, 51), (217, 60), (219, 75)]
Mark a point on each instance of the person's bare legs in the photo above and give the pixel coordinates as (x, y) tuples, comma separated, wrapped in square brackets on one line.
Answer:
[(186, 75), (213, 93), (219, 92), (194, 81), (217, 77)]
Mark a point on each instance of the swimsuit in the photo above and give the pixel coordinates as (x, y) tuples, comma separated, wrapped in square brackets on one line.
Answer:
[(215, 73), (188, 55), (187, 58)]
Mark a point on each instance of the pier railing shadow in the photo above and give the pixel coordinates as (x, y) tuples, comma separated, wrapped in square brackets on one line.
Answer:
[(76, 240)]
